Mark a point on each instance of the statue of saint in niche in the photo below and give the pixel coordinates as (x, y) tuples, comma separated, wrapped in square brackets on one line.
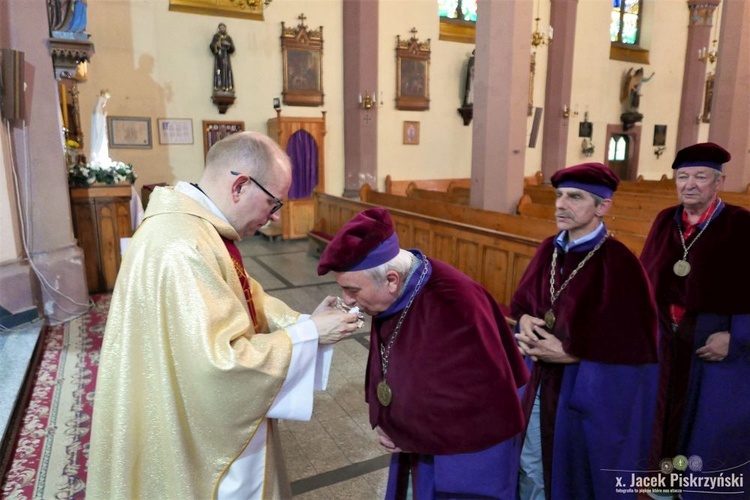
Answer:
[(222, 46)]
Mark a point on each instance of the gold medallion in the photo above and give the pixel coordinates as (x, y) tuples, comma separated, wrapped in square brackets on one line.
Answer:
[(681, 268), (549, 320), (384, 393)]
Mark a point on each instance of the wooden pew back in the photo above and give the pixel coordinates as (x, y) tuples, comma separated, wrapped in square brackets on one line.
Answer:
[(493, 258)]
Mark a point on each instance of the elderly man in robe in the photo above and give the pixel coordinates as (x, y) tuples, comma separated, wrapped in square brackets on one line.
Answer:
[(696, 256), (197, 359), (443, 368), (587, 324)]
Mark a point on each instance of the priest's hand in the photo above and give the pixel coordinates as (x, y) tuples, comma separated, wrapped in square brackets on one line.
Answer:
[(387, 442), (716, 348), (334, 325), (328, 304), (543, 346)]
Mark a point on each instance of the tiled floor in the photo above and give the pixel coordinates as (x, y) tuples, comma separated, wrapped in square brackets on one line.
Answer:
[(336, 454)]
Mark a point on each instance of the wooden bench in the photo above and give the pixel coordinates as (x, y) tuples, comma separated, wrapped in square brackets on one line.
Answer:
[(399, 187), (495, 259), (615, 223), (458, 195), (318, 238), (531, 227)]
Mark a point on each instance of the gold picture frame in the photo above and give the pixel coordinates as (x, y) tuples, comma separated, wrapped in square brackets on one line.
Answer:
[(411, 133), (214, 131), (302, 56), (240, 9), (412, 73)]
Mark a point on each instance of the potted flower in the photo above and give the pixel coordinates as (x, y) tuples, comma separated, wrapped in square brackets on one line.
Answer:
[(83, 174)]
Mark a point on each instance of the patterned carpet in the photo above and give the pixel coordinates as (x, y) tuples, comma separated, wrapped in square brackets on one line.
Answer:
[(52, 447)]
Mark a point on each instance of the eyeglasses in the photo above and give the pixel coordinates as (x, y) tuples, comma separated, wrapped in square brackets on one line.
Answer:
[(277, 203)]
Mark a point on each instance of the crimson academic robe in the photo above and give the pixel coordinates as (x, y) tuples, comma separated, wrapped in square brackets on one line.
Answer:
[(596, 415), (703, 407), (454, 371)]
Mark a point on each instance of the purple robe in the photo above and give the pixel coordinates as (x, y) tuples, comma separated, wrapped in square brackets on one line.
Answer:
[(703, 408), (596, 415), (454, 371)]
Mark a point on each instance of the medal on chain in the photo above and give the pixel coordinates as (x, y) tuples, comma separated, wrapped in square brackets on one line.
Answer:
[(682, 267), (384, 392)]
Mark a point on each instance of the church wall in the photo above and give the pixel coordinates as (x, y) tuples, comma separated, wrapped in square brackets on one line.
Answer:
[(598, 80), (157, 63), (149, 74)]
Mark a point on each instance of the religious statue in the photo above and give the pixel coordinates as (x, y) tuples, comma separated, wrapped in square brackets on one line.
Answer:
[(222, 46), (99, 140), (631, 89), (469, 82)]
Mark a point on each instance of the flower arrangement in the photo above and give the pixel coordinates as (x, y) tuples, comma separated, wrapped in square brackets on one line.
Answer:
[(85, 174)]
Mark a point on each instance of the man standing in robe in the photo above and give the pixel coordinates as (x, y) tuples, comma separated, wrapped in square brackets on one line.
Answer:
[(443, 367), (696, 256), (197, 360), (587, 324)]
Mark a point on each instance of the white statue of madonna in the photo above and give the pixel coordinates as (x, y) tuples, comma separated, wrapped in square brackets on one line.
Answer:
[(99, 141)]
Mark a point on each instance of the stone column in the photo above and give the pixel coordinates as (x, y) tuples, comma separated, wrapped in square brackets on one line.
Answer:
[(501, 91), (694, 78), (558, 86), (730, 112), (361, 75)]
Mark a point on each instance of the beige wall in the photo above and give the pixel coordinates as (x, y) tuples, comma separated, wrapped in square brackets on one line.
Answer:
[(148, 73)]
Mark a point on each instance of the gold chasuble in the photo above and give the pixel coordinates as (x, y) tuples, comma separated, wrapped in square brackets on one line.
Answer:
[(184, 378)]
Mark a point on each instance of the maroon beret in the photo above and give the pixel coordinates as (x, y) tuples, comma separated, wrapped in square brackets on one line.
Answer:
[(704, 154), (592, 177), (364, 242)]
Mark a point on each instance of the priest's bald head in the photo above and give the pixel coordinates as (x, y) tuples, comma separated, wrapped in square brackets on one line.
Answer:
[(367, 261)]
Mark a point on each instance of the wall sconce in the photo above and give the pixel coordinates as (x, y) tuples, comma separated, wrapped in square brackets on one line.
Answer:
[(705, 55), (276, 103), (369, 101), (537, 37), (566, 112), (587, 147), (659, 150)]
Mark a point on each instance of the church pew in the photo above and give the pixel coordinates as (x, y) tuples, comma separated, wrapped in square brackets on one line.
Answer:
[(493, 258), (615, 223), (651, 202), (457, 195), (399, 187), (537, 228)]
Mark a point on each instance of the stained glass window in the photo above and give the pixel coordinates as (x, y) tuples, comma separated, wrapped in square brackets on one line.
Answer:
[(618, 147), (626, 21), (464, 10)]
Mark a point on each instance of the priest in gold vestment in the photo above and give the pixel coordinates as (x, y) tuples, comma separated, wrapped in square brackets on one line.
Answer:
[(197, 360)]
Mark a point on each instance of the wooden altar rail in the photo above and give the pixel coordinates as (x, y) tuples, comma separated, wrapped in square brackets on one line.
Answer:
[(493, 258), (529, 227)]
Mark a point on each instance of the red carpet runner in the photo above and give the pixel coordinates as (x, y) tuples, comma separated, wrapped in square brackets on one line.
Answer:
[(52, 448)]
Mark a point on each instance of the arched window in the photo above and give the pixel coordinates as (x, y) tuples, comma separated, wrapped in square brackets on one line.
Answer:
[(458, 20), (626, 21)]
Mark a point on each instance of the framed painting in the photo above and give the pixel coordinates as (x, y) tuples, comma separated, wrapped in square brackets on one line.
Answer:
[(243, 10), (302, 60), (175, 130), (412, 73), (213, 132), (411, 133), (129, 132)]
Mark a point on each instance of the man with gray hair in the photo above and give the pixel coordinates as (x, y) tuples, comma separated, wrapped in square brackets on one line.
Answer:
[(197, 359), (443, 367)]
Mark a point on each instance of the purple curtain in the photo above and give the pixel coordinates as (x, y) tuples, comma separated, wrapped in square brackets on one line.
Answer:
[(303, 151)]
